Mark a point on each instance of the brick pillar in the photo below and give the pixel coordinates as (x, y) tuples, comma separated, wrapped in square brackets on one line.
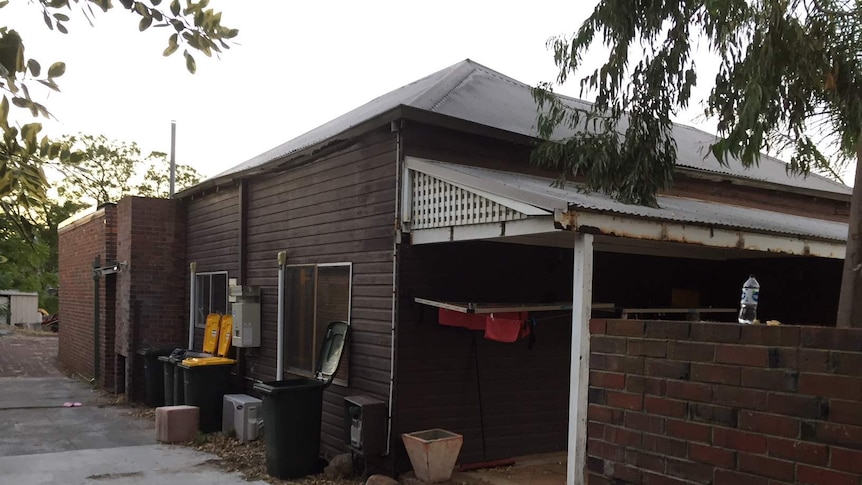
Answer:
[(151, 286), (82, 239)]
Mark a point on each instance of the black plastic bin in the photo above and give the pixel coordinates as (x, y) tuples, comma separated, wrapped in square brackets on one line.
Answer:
[(168, 368), (174, 382), (154, 388), (292, 412), (205, 386)]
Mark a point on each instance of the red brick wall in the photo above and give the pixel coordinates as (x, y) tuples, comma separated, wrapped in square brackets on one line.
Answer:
[(151, 286), (79, 244), (685, 403)]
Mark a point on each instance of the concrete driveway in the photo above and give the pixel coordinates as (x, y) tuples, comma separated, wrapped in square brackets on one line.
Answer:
[(44, 442)]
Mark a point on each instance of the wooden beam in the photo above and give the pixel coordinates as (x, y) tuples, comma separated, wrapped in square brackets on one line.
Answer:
[(582, 296)]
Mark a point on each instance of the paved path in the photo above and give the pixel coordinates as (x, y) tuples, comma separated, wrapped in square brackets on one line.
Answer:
[(28, 356), (42, 441), (139, 465), (34, 419)]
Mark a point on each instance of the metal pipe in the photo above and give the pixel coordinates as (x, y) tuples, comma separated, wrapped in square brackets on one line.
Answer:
[(173, 157), (399, 164), (279, 352), (96, 304), (192, 271)]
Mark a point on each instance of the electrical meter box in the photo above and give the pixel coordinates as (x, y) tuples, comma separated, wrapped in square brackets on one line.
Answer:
[(365, 425), (246, 324)]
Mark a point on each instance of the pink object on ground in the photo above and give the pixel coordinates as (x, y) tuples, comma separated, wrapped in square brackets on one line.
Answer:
[(176, 424)]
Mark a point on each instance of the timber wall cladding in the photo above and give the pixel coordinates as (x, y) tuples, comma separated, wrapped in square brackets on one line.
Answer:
[(338, 208), (212, 234), (79, 244), (685, 403)]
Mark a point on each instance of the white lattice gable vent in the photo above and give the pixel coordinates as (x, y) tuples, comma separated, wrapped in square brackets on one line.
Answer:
[(439, 203)]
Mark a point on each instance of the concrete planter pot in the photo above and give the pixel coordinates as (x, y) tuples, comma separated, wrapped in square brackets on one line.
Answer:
[(433, 453)]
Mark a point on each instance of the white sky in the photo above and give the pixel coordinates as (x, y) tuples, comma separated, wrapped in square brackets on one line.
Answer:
[(296, 65)]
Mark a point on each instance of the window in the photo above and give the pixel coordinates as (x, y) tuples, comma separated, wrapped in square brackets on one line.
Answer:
[(315, 295), (210, 295)]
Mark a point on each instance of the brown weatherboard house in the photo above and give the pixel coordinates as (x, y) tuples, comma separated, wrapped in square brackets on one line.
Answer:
[(422, 205)]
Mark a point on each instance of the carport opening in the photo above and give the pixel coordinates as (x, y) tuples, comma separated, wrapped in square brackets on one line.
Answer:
[(511, 399)]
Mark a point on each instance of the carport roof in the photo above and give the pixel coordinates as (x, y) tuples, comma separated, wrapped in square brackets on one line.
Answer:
[(540, 192), (542, 208), (471, 92)]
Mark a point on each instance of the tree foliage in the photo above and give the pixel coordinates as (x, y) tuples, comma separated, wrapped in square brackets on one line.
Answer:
[(108, 171), (23, 152), (28, 248), (790, 80), (111, 170)]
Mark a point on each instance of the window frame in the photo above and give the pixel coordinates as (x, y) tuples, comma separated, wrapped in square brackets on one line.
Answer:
[(210, 274), (315, 345)]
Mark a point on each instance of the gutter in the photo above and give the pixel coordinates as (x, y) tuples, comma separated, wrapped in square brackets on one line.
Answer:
[(697, 234)]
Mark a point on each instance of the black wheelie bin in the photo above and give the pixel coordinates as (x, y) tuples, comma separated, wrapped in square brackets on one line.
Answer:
[(154, 388), (292, 412), (207, 379)]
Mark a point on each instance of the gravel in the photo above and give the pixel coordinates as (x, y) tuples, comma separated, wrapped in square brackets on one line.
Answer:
[(249, 459)]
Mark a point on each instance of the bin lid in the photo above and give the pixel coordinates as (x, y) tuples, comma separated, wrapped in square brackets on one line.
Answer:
[(155, 351), (203, 361), (211, 333), (301, 384), (331, 350), (225, 330)]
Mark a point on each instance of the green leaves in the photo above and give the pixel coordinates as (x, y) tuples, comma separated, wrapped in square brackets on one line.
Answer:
[(4, 114), (790, 78), (195, 28), (145, 23), (190, 62), (172, 45), (57, 69), (35, 68)]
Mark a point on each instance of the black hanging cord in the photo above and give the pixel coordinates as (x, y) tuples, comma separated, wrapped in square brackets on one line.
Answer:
[(479, 391)]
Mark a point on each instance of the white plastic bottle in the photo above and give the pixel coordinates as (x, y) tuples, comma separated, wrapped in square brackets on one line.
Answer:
[(748, 302)]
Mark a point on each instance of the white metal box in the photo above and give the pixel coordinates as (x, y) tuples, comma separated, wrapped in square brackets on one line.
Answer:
[(240, 415), (246, 324)]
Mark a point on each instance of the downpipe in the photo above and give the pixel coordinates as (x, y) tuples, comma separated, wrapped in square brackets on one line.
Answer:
[(192, 272), (279, 354), (399, 156)]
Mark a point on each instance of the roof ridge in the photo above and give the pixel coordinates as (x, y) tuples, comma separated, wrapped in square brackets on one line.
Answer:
[(431, 97)]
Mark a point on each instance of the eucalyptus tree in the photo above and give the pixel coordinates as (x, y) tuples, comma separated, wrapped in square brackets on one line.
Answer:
[(189, 25), (789, 81)]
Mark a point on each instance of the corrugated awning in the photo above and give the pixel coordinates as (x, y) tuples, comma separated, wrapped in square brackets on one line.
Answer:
[(526, 199)]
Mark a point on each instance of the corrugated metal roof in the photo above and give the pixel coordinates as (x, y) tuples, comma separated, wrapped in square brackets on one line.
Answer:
[(540, 192), (18, 293), (472, 92)]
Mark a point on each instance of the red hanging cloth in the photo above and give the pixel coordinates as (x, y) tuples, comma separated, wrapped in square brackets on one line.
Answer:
[(451, 318), (506, 327)]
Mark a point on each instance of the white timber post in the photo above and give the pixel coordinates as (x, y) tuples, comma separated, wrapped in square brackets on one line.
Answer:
[(582, 297)]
